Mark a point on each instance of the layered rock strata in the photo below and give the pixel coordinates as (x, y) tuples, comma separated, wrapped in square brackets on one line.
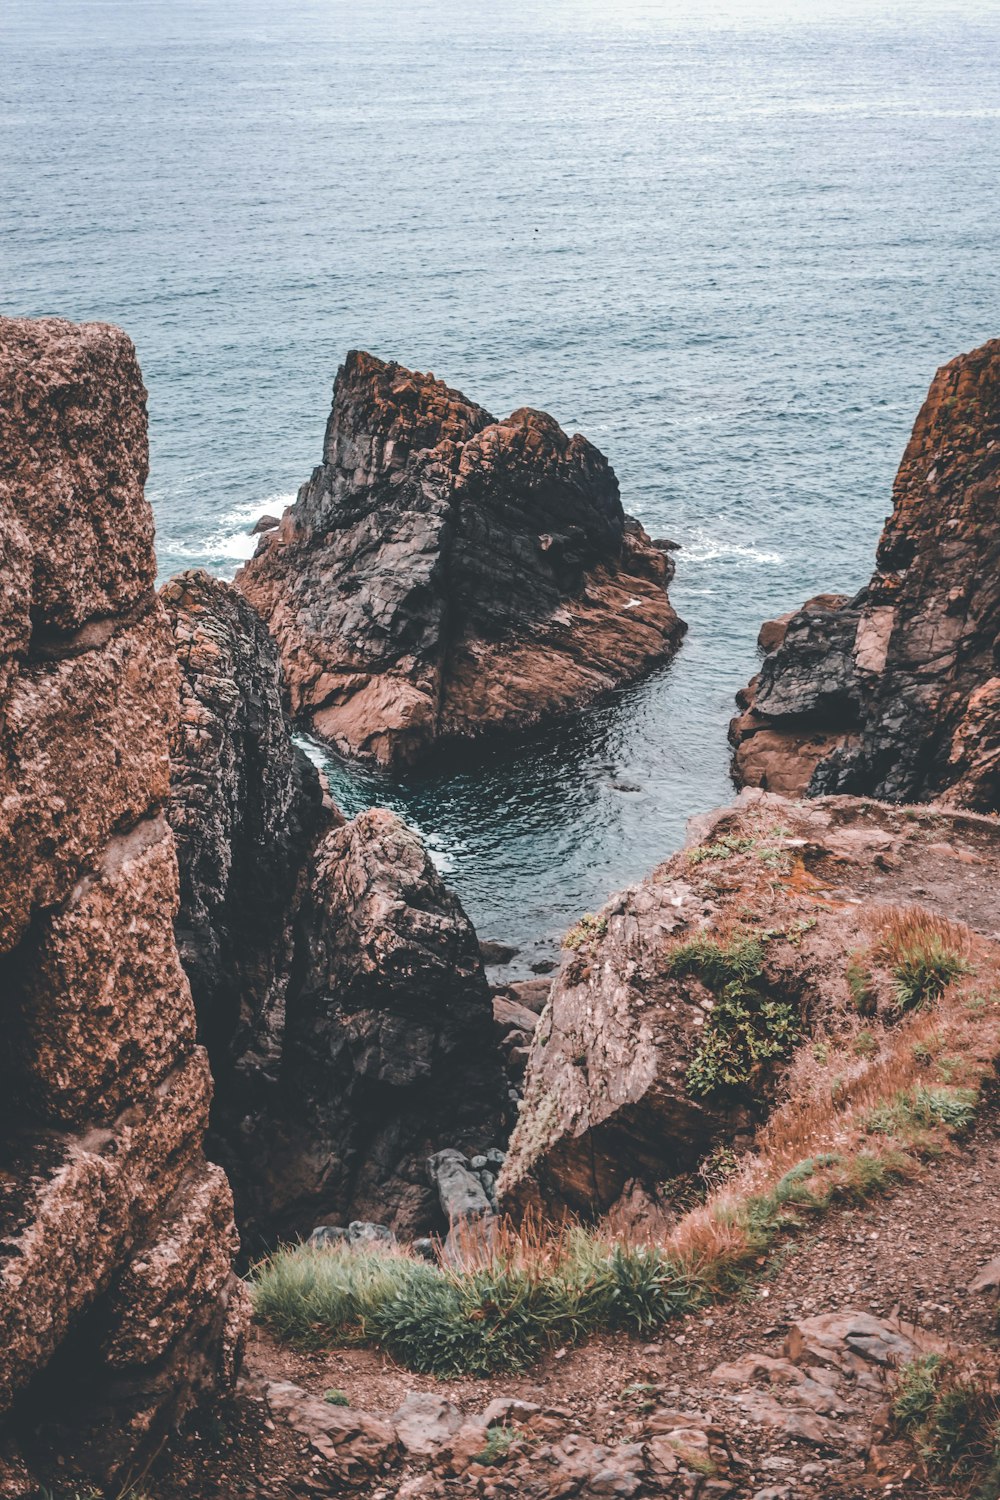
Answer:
[(118, 1307), (677, 1006), (443, 574), (895, 693), (338, 982)]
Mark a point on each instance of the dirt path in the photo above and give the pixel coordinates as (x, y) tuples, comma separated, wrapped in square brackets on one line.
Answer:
[(912, 1252)]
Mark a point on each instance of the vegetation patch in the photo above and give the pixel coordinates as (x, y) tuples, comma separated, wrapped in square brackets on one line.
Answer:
[(745, 1028), (924, 954), (953, 1417), (499, 1441), (842, 1135), (588, 930)]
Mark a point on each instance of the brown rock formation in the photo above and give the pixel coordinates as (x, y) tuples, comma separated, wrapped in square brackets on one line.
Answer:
[(118, 1308), (784, 888), (338, 983), (895, 694), (443, 574)]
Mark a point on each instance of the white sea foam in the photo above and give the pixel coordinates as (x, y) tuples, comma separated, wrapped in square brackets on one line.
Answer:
[(706, 548)]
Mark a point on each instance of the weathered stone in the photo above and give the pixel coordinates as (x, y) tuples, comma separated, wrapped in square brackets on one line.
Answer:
[(118, 1310), (608, 1096), (443, 574), (353, 1443), (83, 754), (73, 433), (424, 1421), (459, 1190), (96, 1017), (338, 984)]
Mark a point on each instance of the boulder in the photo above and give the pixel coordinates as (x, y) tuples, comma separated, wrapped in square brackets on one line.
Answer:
[(338, 983), (894, 694), (459, 1189), (424, 1421), (354, 1444), (443, 574)]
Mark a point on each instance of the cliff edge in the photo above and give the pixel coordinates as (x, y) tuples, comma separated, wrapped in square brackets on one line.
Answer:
[(118, 1307)]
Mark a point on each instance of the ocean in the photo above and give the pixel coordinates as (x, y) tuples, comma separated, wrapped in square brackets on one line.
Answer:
[(729, 242)]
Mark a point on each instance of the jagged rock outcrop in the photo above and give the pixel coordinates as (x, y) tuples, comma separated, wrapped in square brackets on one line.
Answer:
[(443, 574), (896, 693), (118, 1307), (676, 1007), (338, 983)]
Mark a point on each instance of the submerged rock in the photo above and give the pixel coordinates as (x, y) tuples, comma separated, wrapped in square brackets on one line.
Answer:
[(443, 574), (895, 694)]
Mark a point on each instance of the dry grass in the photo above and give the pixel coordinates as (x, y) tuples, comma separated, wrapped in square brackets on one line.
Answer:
[(852, 1121)]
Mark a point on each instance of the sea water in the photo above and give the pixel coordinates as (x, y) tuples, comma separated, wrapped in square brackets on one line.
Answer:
[(729, 242)]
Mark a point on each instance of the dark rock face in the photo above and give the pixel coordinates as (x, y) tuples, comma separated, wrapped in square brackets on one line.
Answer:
[(390, 1048), (247, 809), (338, 983), (443, 574), (118, 1307), (896, 693)]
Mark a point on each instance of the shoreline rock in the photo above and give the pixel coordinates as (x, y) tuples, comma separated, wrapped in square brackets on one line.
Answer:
[(894, 693), (338, 982), (443, 575)]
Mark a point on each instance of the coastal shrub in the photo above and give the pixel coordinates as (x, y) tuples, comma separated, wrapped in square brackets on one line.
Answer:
[(745, 1028), (859, 982), (306, 1290), (922, 1109), (953, 1417), (587, 930), (924, 954), (499, 1441)]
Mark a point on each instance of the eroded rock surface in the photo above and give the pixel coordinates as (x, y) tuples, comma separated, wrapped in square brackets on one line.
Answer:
[(443, 574), (895, 693), (619, 1088), (118, 1307), (389, 1047), (338, 983)]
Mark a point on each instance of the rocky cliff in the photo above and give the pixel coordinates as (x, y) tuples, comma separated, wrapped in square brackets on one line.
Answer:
[(338, 983), (679, 1006), (443, 574), (895, 693), (118, 1308)]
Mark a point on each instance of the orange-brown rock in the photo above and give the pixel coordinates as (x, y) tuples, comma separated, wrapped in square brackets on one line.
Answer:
[(118, 1308), (610, 1097), (443, 574), (895, 694)]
